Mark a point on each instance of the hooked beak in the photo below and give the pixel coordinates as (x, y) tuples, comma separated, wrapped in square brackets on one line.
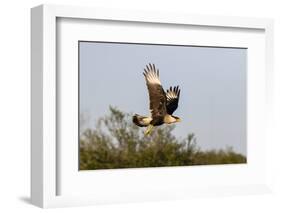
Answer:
[(178, 120)]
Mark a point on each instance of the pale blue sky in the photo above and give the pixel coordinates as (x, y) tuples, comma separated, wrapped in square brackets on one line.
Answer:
[(212, 82)]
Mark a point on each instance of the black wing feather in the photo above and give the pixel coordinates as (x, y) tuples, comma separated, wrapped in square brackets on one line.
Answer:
[(173, 95)]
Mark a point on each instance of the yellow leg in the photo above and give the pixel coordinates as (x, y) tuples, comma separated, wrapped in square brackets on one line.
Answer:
[(149, 129)]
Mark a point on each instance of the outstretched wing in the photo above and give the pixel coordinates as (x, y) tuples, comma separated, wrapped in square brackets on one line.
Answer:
[(157, 96), (173, 95)]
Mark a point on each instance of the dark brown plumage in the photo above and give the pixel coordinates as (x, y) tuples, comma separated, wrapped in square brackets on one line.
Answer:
[(162, 105), (157, 96)]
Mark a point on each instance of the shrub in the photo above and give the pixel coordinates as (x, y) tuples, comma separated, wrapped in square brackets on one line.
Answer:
[(116, 142)]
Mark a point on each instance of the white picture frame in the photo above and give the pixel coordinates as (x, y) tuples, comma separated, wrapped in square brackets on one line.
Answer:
[(45, 167)]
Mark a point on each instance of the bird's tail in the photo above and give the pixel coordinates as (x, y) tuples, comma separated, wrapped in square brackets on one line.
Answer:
[(141, 121)]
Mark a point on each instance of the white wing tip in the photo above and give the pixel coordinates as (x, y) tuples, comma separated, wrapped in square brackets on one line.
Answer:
[(151, 74), (173, 93)]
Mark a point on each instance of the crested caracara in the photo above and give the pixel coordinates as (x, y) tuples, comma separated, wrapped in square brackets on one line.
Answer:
[(162, 104)]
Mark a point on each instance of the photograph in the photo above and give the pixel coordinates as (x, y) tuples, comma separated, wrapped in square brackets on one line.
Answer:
[(161, 105)]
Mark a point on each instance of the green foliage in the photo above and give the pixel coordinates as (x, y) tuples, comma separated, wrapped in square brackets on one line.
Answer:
[(118, 143)]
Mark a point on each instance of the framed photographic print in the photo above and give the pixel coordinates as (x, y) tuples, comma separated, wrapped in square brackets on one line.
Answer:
[(130, 106)]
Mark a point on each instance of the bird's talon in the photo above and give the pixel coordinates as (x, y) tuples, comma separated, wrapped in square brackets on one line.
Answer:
[(148, 130)]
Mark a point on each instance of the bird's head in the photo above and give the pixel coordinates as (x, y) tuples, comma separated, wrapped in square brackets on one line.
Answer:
[(177, 119), (170, 119)]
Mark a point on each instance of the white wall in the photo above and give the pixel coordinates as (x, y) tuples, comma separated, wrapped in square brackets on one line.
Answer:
[(15, 98)]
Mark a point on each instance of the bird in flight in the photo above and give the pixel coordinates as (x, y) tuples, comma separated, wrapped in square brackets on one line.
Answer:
[(162, 104)]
